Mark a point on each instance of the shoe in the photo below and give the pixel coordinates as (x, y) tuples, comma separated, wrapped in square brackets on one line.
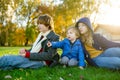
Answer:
[(55, 60), (54, 63)]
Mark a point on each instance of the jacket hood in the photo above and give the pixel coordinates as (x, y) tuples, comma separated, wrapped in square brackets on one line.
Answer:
[(86, 21)]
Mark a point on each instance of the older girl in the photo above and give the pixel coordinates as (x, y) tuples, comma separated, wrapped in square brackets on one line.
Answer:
[(104, 53)]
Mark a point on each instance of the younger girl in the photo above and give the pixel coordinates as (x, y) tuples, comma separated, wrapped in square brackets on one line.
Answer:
[(72, 50)]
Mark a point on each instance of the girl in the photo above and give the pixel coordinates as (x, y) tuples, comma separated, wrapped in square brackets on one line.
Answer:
[(103, 52), (72, 50)]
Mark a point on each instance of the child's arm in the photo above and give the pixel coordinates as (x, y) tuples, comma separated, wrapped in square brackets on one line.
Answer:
[(57, 44), (81, 57)]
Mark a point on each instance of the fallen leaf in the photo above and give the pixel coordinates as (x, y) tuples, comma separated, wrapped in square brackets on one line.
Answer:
[(8, 77)]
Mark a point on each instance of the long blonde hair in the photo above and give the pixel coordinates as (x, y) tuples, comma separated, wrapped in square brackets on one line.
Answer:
[(87, 38)]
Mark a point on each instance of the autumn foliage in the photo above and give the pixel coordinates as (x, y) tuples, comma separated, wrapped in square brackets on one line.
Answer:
[(18, 19)]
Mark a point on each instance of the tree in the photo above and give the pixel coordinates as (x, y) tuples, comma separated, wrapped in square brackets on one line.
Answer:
[(18, 16), (4, 6), (24, 12), (10, 33), (67, 13), (19, 39)]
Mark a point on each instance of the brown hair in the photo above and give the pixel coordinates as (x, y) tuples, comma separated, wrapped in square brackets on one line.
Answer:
[(46, 20), (75, 30)]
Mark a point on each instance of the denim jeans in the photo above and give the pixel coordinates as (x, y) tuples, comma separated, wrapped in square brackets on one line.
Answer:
[(110, 58), (16, 61)]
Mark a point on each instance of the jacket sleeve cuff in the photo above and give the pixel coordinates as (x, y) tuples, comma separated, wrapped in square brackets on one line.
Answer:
[(27, 55)]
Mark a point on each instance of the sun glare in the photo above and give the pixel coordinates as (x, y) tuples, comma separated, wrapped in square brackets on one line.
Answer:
[(109, 13), (112, 16)]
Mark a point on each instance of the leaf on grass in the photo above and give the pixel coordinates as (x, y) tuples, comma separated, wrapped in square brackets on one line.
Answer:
[(61, 78), (69, 74), (8, 77)]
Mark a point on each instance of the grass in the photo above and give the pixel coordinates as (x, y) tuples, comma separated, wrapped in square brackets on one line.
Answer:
[(57, 72), (10, 50)]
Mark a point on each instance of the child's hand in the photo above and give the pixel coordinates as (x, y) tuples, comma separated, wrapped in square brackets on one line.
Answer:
[(49, 44), (81, 67)]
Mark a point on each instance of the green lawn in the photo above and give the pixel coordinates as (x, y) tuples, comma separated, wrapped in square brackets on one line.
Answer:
[(56, 73)]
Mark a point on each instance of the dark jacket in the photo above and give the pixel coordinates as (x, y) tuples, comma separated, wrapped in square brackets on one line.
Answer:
[(47, 52), (101, 43)]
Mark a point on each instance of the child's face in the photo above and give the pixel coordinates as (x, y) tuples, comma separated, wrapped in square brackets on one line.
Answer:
[(71, 35), (82, 28)]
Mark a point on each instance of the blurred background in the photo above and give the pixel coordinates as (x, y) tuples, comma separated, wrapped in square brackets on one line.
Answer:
[(18, 18)]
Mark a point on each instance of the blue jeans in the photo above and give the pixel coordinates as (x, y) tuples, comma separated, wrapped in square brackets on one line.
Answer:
[(14, 61), (110, 58)]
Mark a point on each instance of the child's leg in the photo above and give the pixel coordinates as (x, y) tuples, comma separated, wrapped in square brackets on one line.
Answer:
[(72, 62), (64, 60)]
